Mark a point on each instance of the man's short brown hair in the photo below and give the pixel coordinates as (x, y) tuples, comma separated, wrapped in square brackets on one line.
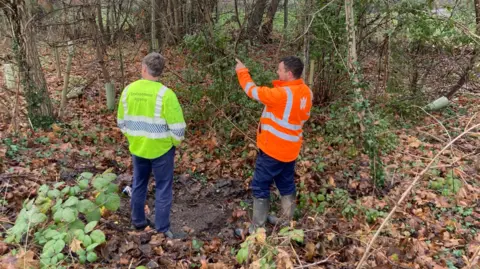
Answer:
[(155, 63)]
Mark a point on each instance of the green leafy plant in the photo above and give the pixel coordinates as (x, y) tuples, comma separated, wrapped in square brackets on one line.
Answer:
[(447, 186), (267, 248), (56, 217)]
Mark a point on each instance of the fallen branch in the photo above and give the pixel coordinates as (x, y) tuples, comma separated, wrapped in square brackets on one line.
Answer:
[(316, 263), (407, 192), (471, 262)]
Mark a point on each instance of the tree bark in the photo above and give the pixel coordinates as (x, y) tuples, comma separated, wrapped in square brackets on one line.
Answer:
[(39, 105), (352, 55), (255, 19), (473, 59), (267, 27)]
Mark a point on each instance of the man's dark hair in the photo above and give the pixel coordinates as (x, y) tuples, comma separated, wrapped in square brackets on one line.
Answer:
[(155, 63), (294, 65)]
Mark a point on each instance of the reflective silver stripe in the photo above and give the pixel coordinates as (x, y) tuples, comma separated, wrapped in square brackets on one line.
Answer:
[(177, 125), (148, 134), (179, 138), (144, 119), (283, 123), (255, 94), (279, 134), (177, 130), (124, 101), (288, 106), (158, 103), (248, 86)]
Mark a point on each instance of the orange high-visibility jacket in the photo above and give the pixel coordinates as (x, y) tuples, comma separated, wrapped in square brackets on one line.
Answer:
[(287, 108)]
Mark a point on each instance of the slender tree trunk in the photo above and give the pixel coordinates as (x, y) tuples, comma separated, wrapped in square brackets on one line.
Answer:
[(71, 51), (153, 31), (58, 63), (255, 18), (352, 55), (39, 105), (267, 27), (473, 59)]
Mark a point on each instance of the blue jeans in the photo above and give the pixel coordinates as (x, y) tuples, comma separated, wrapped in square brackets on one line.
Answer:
[(268, 170), (163, 172)]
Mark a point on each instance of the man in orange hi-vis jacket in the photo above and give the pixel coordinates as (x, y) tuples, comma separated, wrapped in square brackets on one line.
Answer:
[(279, 137)]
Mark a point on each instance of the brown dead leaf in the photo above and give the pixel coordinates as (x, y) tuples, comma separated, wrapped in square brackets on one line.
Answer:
[(26, 260), (238, 213), (310, 251), (125, 260), (413, 142), (3, 248), (76, 245), (283, 260), (331, 181), (147, 209), (261, 235), (56, 128)]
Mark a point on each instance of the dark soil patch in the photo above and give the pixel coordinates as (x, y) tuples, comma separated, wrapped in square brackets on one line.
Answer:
[(199, 208)]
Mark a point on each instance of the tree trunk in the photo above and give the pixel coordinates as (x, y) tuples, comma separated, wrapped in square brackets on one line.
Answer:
[(159, 25), (153, 31), (464, 76), (71, 51), (39, 105), (352, 55), (267, 27), (255, 18)]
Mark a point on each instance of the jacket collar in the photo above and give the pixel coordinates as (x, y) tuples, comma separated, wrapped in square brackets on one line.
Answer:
[(280, 83)]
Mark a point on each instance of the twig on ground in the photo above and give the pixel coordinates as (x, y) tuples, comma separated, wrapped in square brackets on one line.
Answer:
[(407, 192), (317, 263), (296, 255), (472, 260)]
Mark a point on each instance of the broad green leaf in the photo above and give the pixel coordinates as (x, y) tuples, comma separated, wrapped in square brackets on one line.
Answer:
[(91, 256), (68, 215), (86, 175), (109, 176), (87, 241), (94, 215), (242, 255), (90, 226), (85, 206), (100, 183), (38, 218), (77, 224), (60, 256), (112, 188), (50, 233), (49, 245), (66, 190), (141, 267), (83, 184), (53, 193), (59, 245), (45, 261), (58, 184), (79, 234), (92, 246), (71, 201), (42, 191), (101, 199), (112, 202), (58, 215), (98, 236), (54, 259), (82, 258)]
